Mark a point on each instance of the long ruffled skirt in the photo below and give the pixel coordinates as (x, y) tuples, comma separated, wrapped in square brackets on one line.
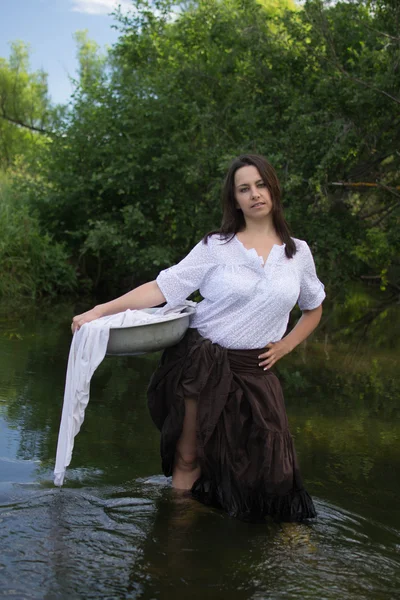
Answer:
[(245, 450)]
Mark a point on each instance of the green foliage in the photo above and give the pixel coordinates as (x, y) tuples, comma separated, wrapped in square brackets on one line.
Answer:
[(91, 61), (32, 264), (25, 111), (131, 179)]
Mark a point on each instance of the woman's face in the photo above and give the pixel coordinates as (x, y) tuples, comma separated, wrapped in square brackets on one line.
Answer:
[(251, 193)]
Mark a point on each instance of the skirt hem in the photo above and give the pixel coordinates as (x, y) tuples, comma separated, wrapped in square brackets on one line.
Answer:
[(255, 507)]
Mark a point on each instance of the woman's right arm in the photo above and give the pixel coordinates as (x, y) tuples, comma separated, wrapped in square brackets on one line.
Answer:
[(144, 296), (176, 282)]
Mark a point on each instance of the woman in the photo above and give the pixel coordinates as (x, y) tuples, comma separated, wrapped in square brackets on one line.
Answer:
[(218, 405)]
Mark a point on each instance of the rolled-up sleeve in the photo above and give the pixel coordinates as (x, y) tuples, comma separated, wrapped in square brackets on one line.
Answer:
[(312, 291), (181, 280)]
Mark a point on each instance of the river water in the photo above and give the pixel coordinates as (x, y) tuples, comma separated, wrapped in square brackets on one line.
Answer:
[(117, 529)]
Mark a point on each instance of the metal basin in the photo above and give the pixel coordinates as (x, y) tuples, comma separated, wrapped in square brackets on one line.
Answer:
[(150, 337)]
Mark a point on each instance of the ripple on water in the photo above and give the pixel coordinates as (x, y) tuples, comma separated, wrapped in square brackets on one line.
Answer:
[(346, 556), (143, 540)]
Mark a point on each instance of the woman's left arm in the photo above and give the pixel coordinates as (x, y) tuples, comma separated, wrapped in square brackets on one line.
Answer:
[(305, 325)]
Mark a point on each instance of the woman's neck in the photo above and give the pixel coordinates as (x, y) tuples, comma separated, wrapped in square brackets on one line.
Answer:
[(257, 229)]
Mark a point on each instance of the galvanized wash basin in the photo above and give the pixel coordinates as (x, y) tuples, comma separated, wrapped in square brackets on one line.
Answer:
[(150, 337)]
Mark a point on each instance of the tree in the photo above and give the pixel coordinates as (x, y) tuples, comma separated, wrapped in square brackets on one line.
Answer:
[(25, 110), (135, 172)]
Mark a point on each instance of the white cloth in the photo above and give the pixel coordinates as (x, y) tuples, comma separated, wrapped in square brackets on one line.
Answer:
[(245, 304), (88, 348)]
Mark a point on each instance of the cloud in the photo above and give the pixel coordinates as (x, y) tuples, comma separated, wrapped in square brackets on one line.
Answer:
[(100, 7)]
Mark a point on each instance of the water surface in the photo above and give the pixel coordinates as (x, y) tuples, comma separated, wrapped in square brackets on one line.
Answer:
[(117, 529)]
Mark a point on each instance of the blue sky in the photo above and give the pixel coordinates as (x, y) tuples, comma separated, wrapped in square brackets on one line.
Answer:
[(48, 26)]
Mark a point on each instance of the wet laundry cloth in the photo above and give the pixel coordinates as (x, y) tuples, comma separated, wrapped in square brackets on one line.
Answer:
[(88, 349)]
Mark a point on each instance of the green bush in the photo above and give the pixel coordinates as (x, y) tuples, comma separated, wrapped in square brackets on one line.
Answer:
[(32, 264)]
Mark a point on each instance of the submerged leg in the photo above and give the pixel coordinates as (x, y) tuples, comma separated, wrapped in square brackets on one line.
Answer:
[(186, 469)]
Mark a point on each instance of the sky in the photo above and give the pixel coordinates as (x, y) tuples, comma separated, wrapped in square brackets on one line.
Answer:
[(48, 27)]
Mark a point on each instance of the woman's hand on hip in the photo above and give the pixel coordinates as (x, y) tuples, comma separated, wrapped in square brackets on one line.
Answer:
[(86, 317), (275, 351)]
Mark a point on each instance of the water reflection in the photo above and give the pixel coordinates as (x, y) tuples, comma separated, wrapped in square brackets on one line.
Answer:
[(144, 541), (116, 530)]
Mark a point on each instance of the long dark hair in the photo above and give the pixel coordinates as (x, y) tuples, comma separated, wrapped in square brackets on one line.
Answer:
[(233, 219)]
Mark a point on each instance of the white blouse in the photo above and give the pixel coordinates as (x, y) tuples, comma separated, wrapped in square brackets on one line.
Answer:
[(245, 304)]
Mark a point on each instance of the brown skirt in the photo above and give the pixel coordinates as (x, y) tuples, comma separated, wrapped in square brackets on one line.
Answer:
[(245, 450)]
